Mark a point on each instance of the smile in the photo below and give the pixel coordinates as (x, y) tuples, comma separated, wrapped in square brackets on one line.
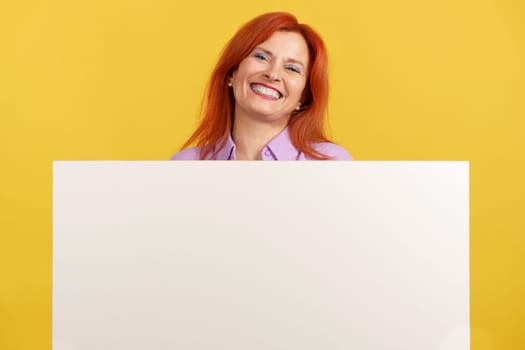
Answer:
[(266, 92)]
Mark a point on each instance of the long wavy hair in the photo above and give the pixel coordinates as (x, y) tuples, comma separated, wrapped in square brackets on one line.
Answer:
[(306, 125)]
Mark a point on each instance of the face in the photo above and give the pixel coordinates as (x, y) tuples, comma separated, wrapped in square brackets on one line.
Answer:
[(268, 84)]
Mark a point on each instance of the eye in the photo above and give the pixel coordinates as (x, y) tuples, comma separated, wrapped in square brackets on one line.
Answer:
[(294, 68), (261, 56)]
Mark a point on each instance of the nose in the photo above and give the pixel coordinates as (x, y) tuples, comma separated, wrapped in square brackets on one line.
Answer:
[(272, 73)]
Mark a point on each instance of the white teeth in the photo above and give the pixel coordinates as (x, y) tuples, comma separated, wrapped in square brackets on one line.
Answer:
[(265, 91)]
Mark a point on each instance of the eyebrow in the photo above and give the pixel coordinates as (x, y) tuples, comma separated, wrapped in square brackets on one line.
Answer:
[(288, 59)]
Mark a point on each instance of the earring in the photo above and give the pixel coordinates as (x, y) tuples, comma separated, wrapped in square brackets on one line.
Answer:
[(230, 84), (298, 107)]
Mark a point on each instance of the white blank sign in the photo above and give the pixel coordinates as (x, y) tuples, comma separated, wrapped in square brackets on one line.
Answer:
[(260, 255)]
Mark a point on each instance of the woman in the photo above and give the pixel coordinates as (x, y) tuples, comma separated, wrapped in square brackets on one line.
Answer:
[(267, 97)]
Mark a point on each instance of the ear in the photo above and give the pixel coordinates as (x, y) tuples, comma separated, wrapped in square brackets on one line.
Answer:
[(231, 78), (306, 97)]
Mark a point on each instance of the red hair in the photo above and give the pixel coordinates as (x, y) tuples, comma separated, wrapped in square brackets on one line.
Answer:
[(305, 126)]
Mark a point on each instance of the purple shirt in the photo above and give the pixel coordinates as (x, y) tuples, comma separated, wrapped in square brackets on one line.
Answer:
[(279, 148)]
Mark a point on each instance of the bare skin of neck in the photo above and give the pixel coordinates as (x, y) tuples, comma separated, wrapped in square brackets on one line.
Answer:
[(252, 135)]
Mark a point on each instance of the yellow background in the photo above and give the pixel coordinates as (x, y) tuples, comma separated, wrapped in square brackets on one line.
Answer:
[(123, 79)]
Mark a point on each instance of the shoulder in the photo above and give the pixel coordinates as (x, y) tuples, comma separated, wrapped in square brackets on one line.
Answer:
[(188, 154), (333, 151)]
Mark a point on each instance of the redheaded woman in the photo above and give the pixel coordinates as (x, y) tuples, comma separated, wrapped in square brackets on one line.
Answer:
[(267, 97)]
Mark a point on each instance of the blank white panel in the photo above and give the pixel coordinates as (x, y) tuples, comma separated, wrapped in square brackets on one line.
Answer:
[(260, 255)]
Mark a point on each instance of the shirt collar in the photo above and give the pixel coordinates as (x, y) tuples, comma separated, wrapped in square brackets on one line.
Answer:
[(279, 148), (228, 151)]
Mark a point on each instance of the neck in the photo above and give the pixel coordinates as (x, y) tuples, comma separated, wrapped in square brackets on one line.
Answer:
[(251, 136)]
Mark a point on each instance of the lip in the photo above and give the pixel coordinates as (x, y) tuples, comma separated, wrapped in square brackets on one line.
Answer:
[(268, 87)]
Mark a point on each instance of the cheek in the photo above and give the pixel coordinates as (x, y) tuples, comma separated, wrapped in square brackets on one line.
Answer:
[(245, 70), (298, 87)]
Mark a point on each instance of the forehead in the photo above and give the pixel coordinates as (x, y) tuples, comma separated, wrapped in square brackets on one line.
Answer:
[(290, 45)]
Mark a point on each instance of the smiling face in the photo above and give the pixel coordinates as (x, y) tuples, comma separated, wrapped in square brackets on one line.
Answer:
[(268, 84)]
